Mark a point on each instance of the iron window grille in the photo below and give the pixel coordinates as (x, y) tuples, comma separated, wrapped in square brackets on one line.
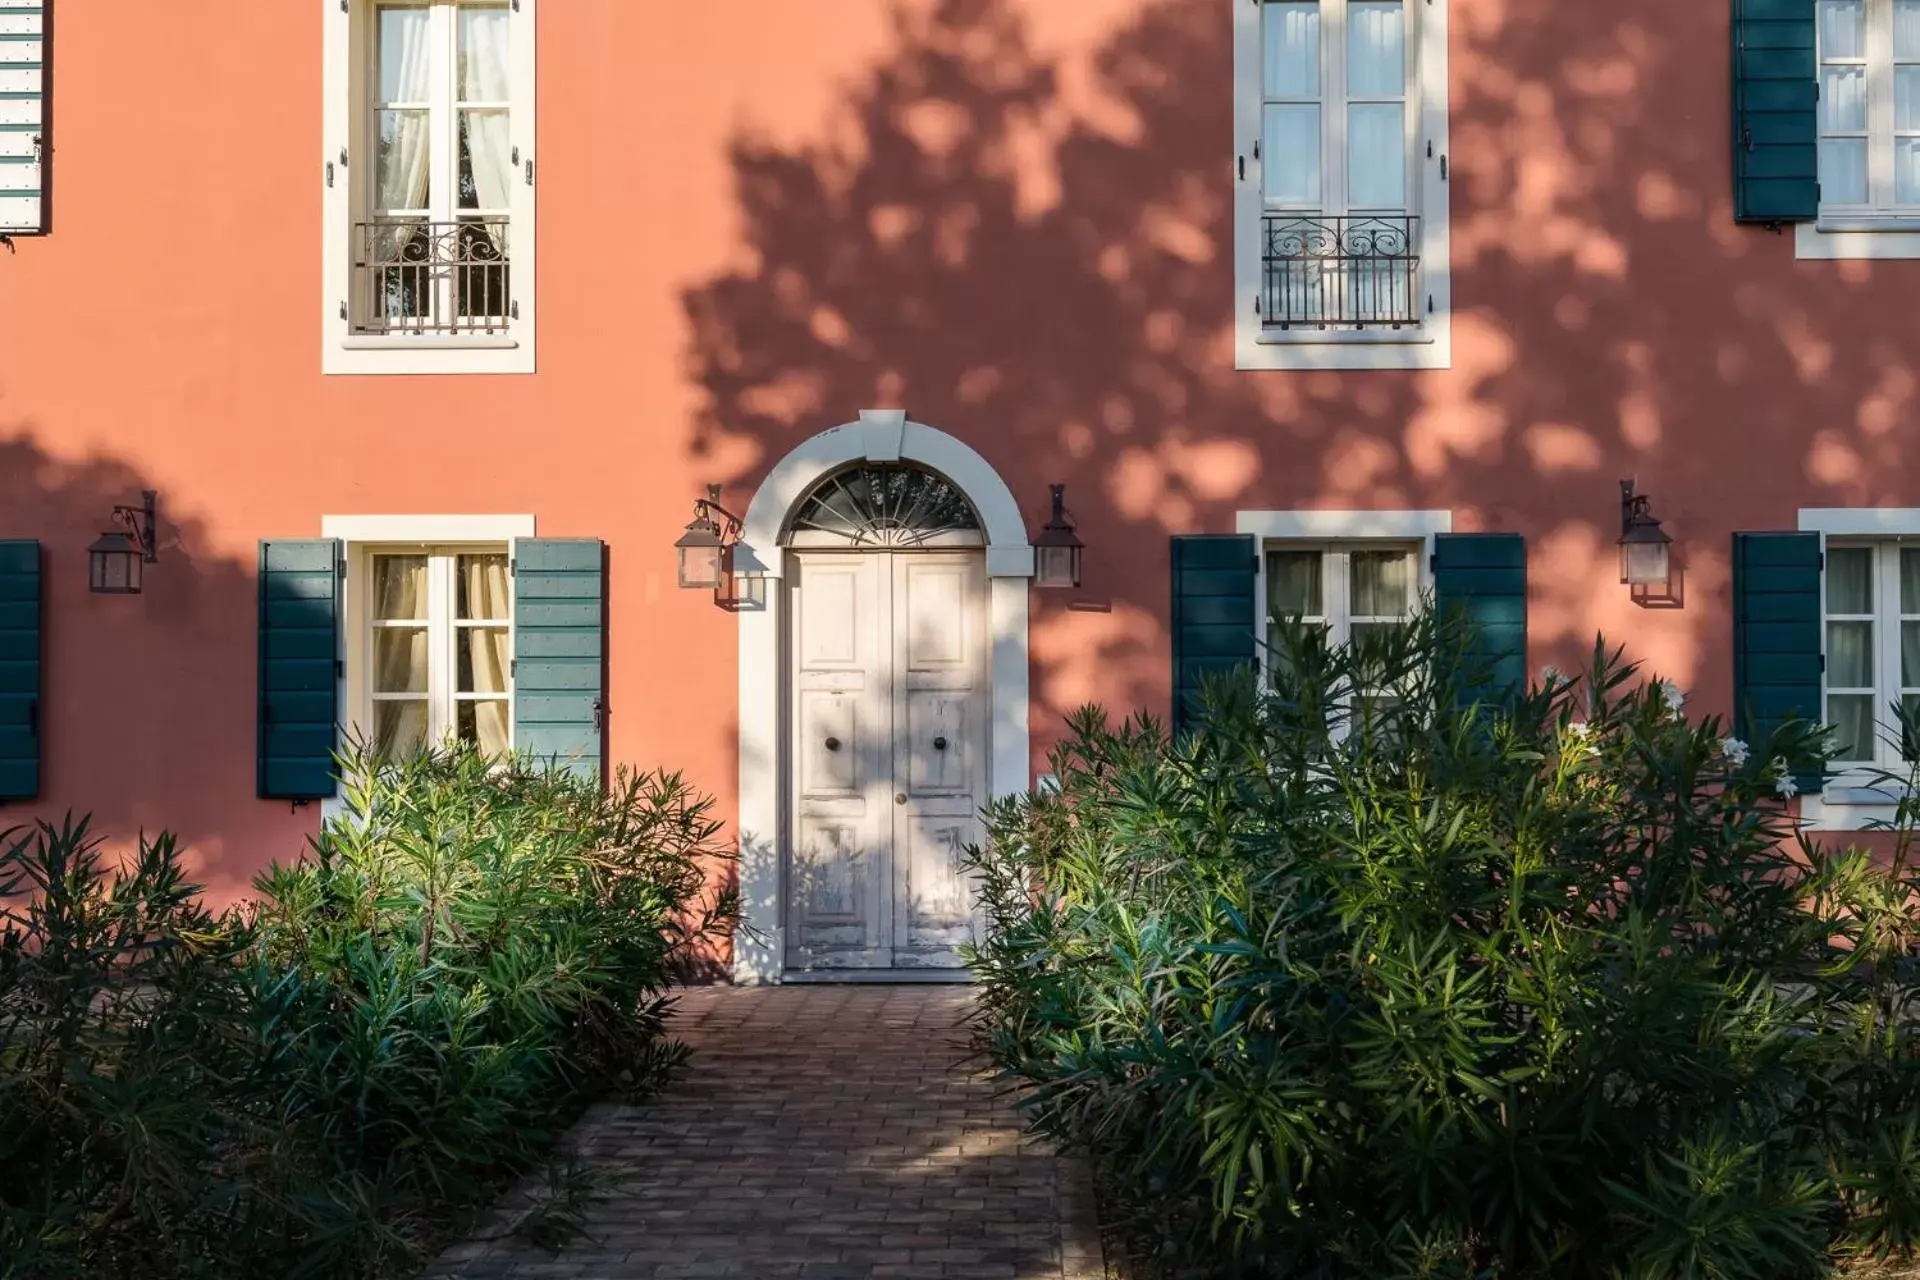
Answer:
[(413, 276), (1358, 271)]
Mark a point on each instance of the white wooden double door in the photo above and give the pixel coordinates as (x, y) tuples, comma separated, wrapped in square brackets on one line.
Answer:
[(889, 757)]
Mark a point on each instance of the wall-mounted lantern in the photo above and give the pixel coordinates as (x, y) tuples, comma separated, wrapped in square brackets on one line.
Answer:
[(116, 561), (1056, 548), (1646, 557), (706, 548)]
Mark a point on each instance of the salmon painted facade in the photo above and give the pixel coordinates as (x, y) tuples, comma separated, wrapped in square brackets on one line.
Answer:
[(427, 323)]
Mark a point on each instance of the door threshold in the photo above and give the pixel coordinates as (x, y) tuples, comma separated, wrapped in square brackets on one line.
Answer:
[(878, 976)]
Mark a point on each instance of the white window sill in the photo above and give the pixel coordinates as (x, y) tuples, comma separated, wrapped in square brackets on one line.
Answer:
[(428, 354), (1837, 236), (1426, 346), (1850, 803)]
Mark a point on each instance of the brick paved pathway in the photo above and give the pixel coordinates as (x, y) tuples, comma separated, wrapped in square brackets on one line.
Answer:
[(824, 1132)]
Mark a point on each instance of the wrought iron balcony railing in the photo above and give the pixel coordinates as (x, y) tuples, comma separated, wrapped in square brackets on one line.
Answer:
[(411, 276), (1361, 271)]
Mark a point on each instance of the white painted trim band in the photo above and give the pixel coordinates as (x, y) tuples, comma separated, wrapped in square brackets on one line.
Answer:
[(426, 528), (1343, 524), (1861, 522)]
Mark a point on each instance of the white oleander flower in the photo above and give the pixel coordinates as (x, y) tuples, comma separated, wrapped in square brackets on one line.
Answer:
[(1787, 788), (1670, 691), (1550, 674), (1735, 751)]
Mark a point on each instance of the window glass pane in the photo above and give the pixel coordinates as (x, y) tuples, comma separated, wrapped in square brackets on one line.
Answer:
[(481, 655), (1850, 580), (399, 588), (485, 724), (1293, 49), (480, 587), (1843, 32), (400, 726), (1376, 155), (1910, 579), (1363, 630), (1906, 98), (1843, 170), (1910, 654), (400, 660), (1850, 655), (1909, 703), (483, 68), (1852, 717), (1379, 583), (1906, 29), (1906, 170), (1290, 153), (401, 171), (405, 60), (1843, 99), (1376, 49), (1293, 584), (486, 161)]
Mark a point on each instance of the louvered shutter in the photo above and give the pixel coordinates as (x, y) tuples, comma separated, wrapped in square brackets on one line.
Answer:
[(1483, 576), (559, 651), (1776, 133), (1213, 613), (299, 702), (23, 115), (21, 670), (1776, 634)]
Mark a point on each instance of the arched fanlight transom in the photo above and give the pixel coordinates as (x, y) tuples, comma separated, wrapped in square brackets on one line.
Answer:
[(885, 505)]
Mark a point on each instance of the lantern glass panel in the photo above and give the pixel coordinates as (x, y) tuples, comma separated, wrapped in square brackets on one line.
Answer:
[(1645, 563), (700, 567), (114, 566), (1058, 567)]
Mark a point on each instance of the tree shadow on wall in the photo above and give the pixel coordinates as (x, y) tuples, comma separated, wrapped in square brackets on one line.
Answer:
[(1031, 249), (147, 705)]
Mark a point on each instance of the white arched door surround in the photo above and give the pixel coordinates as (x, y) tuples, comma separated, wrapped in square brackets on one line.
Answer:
[(880, 435)]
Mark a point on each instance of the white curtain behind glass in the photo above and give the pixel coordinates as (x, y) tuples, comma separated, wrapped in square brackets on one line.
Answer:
[(405, 77), (1290, 130), (487, 650), (1376, 130), (485, 77), (1843, 101), (400, 654)]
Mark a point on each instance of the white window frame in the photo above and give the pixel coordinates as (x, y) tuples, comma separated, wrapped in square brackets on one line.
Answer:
[(1880, 228), (1426, 346), (362, 538), (1853, 799), (347, 45), (1336, 533)]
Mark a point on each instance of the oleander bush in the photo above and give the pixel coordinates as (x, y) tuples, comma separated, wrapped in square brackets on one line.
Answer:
[(1364, 977), (324, 1082)]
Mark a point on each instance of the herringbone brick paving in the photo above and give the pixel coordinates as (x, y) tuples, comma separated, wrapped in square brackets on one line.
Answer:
[(825, 1133)]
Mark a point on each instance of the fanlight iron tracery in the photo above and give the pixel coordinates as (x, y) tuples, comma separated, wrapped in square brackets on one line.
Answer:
[(885, 505)]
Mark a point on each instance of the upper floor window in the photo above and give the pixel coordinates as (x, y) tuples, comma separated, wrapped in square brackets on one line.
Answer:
[(430, 216), (1342, 208), (1869, 107)]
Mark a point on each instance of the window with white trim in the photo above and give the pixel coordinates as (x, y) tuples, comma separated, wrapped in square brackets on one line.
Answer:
[(436, 651), (429, 178), (1872, 647), (1341, 215), (1349, 588), (1869, 110)]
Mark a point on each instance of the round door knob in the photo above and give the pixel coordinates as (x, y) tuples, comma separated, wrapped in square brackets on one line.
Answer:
[(833, 744), (899, 797), (939, 744)]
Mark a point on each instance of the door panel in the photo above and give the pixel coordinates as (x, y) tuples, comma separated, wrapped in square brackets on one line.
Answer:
[(940, 686), (839, 889), (888, 756)]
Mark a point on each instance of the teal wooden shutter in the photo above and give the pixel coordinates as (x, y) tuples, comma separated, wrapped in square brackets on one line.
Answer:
[(23, 114), (560, 650), (1213, 612), (1775, 98), (20, 670), (299, 699), (1484, 577), (1776, 633)]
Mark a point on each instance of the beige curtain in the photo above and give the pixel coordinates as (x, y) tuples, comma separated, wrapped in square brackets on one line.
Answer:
[(400, 654), (487, 650), (485, 76)]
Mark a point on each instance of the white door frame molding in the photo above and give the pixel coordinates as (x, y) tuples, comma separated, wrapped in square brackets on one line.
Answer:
[(880, 435)]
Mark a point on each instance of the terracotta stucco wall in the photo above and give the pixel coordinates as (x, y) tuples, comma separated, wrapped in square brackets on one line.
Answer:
[(1010, 217)]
